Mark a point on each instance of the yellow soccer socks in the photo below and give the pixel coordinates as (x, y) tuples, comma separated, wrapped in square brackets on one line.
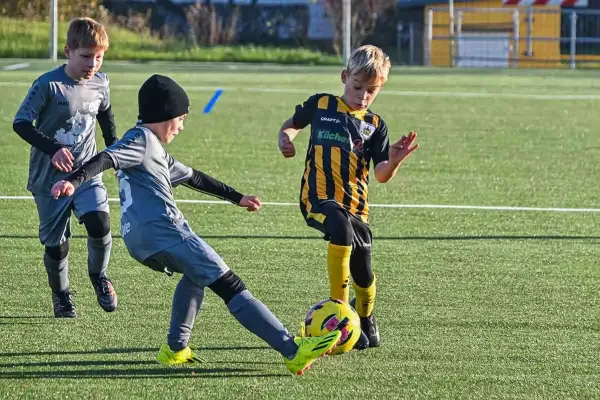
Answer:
[(365, 299), (338, 268)]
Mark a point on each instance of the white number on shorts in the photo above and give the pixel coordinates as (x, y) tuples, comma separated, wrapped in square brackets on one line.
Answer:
[(125, 188)]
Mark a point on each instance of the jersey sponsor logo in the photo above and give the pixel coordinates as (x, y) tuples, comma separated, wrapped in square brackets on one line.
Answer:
[(328, 119), (323, 134), (62, 103)]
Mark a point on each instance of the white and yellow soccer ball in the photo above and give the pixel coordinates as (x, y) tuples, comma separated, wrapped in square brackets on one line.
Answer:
[(329, 315)]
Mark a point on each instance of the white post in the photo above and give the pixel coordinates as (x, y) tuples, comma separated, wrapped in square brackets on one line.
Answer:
[(347, 29), (459, 19), (411, 43), (451, 32), (399, 40), (573, 41), (429, 37), (516, 38), (53, 29)]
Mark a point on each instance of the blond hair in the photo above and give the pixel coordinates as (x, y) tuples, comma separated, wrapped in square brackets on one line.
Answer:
[(86, 33), (369, 62)]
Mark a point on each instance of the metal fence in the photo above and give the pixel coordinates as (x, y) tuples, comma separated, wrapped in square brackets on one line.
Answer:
[(527, 37), (409, 43)]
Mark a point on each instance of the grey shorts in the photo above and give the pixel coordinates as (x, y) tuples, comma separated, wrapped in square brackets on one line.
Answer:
[(192, 257), (55, 215)]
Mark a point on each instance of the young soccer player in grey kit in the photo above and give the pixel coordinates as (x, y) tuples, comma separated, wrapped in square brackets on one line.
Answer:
[(65, 103), (157, 234)]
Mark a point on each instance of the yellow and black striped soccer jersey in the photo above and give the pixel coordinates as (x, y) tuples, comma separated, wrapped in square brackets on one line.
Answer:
[(342, 145)]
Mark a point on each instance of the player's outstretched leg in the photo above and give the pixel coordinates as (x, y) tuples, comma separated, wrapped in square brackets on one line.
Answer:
[(252, 314), (310, 349)]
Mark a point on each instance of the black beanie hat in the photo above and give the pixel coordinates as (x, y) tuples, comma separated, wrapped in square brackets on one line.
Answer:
[(160, 99)]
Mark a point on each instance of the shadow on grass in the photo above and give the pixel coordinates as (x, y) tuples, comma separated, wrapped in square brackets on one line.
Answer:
[(127, 350), (73, 352), (123, 369), (107, 363), (292, 237), (78, 363), (17, 319), (140, 373)]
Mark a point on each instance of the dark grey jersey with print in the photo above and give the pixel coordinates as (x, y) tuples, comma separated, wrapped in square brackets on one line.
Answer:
[(65, 110), (150, 219)]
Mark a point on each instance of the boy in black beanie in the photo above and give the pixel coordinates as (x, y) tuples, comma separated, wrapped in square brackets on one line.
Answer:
[(157, 235)]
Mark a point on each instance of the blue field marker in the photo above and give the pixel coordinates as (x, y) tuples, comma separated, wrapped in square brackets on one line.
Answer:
[(213, 101)]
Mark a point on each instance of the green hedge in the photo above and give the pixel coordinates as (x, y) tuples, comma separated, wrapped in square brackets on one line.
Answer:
[(31, 39)]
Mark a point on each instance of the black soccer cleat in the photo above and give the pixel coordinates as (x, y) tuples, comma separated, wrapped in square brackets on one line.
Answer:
[(363, 342), (105, 292), (370, 332), (63, 305), (369, 328)]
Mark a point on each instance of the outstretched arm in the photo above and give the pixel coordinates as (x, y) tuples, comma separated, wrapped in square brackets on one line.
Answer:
[(386, 170), (100, 162), (204, 183)]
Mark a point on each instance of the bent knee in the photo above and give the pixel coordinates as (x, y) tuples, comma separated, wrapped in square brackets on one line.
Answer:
[(228, 286), (97, 223), (58, 252)]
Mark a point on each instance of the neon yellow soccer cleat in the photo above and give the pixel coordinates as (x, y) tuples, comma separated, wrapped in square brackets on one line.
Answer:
[(302, 330), (309, 349), (168, 357)]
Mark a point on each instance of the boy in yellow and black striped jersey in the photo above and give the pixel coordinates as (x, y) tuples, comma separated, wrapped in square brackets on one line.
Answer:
[(346, 137)]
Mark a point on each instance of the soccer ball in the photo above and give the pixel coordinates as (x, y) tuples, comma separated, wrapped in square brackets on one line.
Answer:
[(329, 315)]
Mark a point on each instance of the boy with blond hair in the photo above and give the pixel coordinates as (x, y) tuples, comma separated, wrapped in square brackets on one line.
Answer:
[(157, 234), (58, 119), (346, 137)]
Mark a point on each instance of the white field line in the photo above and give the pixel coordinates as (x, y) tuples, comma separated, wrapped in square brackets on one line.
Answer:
[(402, 93), (15, 66), (426, 206)]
